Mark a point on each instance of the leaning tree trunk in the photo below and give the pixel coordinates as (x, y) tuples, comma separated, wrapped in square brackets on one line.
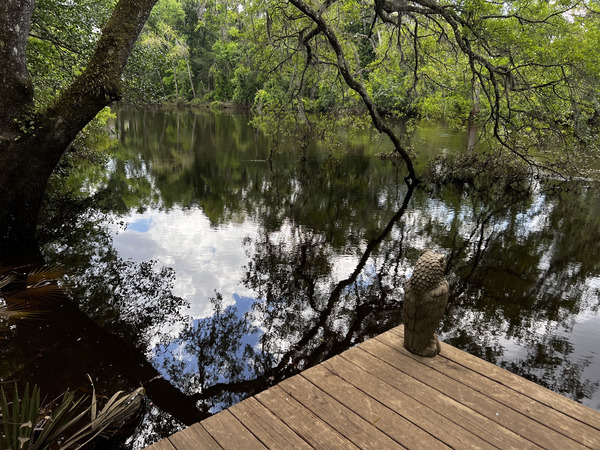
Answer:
[(31, 143)]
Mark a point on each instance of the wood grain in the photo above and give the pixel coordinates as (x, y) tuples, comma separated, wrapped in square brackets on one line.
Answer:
[(378, 395), (230, 433), (194, 437), (267, 427)]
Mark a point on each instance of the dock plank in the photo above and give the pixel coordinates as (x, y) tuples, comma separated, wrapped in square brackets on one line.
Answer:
[(378, 395), (443, 417), (349, 424), (164, 444), (372, 410), (501, 376), (305, 423), (516, 400), (194, 436), (230, 433), (488, 407), (268, 428)]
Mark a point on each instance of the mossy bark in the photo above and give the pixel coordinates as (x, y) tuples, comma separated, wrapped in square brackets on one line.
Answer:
[(16, 93), (31, 143)]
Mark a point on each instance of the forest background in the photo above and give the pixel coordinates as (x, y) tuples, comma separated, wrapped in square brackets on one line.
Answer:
[(525, 72), (536, 62)]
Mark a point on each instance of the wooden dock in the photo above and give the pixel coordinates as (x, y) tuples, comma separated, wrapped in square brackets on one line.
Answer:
[(377, 395)]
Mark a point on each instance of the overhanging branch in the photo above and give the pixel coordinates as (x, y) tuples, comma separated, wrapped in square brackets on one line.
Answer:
[(353, 83)]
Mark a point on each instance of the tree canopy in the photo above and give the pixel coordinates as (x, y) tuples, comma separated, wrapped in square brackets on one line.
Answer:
[(525, 71), (512, 66)]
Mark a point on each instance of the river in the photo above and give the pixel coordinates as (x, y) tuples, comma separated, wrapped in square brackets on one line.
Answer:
[(209, 273)]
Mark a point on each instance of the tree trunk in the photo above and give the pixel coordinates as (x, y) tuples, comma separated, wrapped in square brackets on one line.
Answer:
[(16, 94), (175, 80), (187, 63), (32, 142), (162, 85), (22, 182), (475, 96)]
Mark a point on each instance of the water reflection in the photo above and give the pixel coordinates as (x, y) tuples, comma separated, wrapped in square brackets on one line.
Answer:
[(527, 273), (285, 264)]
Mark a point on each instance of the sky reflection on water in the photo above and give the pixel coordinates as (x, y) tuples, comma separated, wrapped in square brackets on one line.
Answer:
[(286, 264), (205, 258)]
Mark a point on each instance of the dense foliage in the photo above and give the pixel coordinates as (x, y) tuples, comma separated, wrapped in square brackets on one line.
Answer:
[(434, 59), (528, 69), (410, 56)]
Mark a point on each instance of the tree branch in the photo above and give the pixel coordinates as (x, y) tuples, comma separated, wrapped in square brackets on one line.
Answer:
[(100, 83), (354, 84)]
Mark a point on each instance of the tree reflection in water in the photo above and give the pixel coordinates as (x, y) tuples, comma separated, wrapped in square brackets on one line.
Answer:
[(303, 315), (525, 273), (331, 244)]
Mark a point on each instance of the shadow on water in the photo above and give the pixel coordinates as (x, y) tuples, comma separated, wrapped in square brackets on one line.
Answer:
[(207, 275)]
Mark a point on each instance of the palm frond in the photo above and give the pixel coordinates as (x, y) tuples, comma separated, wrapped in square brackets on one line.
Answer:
[(38, 286), (72, 422), (44, 274), (5, 280), (18, 313), (37, 294), (119, 409), (59, 423), (17, 418)]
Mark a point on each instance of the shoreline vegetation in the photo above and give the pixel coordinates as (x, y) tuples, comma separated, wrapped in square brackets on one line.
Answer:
[(467, 167)]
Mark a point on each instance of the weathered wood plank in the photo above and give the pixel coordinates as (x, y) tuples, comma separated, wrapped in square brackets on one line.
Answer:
[(444, 418), (378, 395), (306, 424), (486, 406), (348, 423), (163, 444), (558, 402), (518, 401), (388, 421), (193, 437), (230, 433), (268, 428)]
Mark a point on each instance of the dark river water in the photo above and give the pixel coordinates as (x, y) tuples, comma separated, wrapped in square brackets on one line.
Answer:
[(207, 273)]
